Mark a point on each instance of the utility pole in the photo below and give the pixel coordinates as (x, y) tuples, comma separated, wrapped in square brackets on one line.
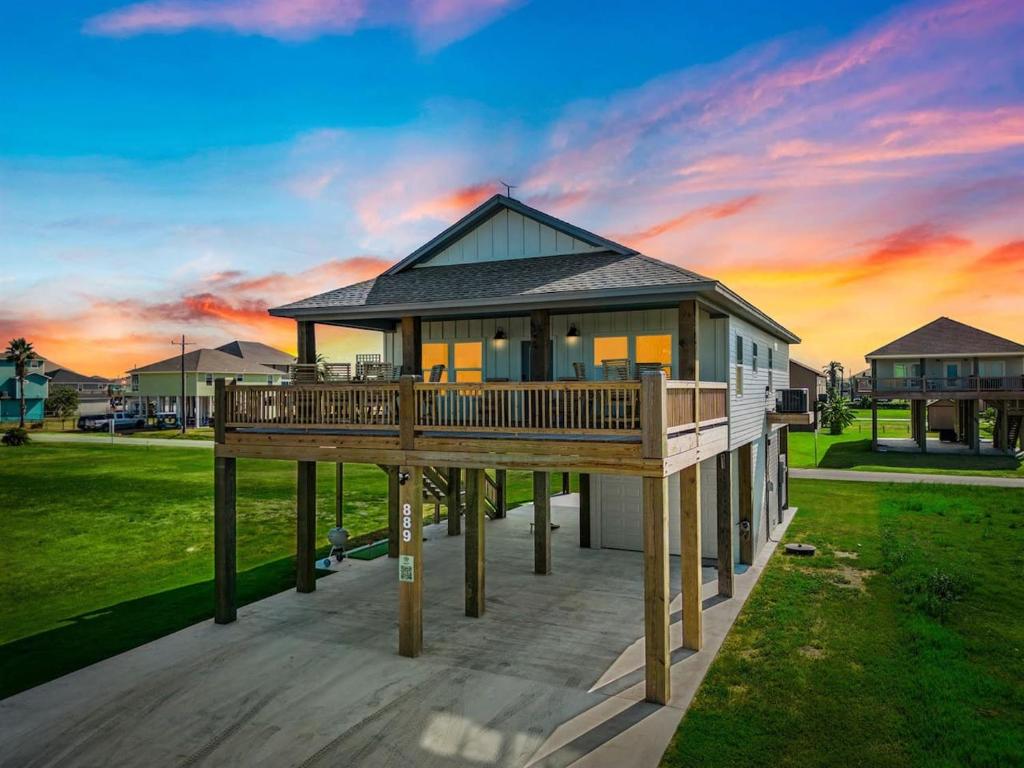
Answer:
[(181, 408)]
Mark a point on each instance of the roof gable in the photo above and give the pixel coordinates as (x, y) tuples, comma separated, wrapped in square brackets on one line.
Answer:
[(945, 336), (257, 351), (207, 361), (501, 229)]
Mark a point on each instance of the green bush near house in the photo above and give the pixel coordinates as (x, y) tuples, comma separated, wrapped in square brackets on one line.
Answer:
[(16, 437)]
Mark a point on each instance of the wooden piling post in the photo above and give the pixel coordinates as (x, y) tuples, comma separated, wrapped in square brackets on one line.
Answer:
[(723, 490), (746, 472), (410, 560), (500, 481), (541, 522), (224, 539), (305, 527), (454, 501), (690, 555), (339, 495), (393, 521), (475, 542), (584, 511), (657, 653)]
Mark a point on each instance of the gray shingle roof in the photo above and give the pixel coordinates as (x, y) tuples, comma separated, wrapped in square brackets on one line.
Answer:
[(947, 337), (257, 352), (497, 280), (207, 361)]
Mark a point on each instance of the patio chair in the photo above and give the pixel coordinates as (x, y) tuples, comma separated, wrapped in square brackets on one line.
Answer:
[(580, 369), (436, 372), (616, 369), (642, 368), (363, 360)]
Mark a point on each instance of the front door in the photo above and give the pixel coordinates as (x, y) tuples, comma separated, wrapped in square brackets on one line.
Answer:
[(952, 375)]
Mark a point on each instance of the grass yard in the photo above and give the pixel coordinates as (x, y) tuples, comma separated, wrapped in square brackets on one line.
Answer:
[(851, 450), (900, 644), (108, 547)]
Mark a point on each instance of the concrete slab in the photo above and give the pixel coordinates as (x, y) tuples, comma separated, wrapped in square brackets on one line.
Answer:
[(551, 675)]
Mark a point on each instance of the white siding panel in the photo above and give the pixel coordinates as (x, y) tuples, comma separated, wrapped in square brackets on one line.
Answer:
[(747, 419)]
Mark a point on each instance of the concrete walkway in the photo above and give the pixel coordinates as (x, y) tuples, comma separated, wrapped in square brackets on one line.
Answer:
[(550, 676), (904, 477), (58, 437)]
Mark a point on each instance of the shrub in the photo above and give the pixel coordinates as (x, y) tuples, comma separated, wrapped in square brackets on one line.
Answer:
[(836, 413), (15, 437)]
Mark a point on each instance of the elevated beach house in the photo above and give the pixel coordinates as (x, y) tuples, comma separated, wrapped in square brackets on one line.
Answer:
[(514, 340), (967, 368), (37, 389)]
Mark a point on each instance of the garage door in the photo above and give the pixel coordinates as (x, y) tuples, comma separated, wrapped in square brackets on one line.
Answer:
[(619, 507)]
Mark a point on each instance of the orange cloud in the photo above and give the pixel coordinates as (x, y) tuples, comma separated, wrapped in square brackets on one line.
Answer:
[(706, 213)]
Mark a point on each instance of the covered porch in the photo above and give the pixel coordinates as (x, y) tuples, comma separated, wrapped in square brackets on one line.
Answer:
[(551, 675)]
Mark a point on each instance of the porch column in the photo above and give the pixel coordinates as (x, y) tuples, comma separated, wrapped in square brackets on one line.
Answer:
[(976, 425), (500, 481), (224, 529), (874, 424), (690, 551), (393, 494), (412, 346), (540, 346), (454, 501), (657, 653), (475, 542), (746, 470), (410, 561), (921, 420), (339, 495), (566, 485), (585, 511), (723, 491), (305, 528), (541, 522)]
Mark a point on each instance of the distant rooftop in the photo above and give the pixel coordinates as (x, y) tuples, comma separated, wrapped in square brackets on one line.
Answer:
[(946, 336)]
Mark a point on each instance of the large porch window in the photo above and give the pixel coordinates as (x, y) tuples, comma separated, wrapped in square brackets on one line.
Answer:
[(435, 353), (468, 362), (655, 349)]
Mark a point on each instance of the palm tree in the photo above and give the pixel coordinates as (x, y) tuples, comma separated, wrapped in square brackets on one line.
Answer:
[(833, 370), (20, 352)]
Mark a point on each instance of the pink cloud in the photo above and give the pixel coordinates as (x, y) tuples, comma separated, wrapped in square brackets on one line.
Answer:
[(435, 23), (711, 212)]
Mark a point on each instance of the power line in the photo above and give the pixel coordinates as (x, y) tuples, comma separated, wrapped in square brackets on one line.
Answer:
[(181, 408)]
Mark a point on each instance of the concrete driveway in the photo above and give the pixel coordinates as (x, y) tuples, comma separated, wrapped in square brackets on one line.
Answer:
[(550, 676)]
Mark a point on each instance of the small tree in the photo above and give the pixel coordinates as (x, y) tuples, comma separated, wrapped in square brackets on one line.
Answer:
[(833, 370), (62, 403), (20, 352), (836, 413)]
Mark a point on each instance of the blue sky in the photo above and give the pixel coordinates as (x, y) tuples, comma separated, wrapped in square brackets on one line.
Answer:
[(181, 165)]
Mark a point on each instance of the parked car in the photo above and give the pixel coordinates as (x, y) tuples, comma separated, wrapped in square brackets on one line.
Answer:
[(121, 421), (167, 420), (87, 423)]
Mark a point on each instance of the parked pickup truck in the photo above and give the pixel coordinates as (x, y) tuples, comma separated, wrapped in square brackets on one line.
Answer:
[(121, 421)]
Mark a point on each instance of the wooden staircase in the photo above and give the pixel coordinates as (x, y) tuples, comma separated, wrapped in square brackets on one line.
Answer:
[(1013, 430), (435, 489)]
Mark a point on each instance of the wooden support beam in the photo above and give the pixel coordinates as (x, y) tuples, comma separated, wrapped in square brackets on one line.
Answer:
[(500, 484), (224, 540), (746, 473), (690, 556), (541, 522), (653, 415), (566, 485), (689, 351), (657, 653), (475, 542), (540, 346), (306, 341), (339, 495), (584, 510), (393, 521), (874, 424), (454, 501), (410, 561), (407, 412), (922, 424), (305, 528), (412, 346), (723, 490)]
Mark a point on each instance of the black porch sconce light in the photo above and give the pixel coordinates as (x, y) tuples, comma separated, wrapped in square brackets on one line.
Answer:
[(573, 335), (499, 337)]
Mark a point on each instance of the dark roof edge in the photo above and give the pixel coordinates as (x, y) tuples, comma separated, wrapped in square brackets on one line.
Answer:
[(806, 367), (489, 208), (758, 317)]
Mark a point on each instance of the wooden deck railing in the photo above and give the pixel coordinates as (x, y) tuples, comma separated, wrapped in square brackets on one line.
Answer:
[(608, 408), (945, 384), (579, 407)]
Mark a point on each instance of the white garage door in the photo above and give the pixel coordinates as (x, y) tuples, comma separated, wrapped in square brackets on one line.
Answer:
[(617, 501)]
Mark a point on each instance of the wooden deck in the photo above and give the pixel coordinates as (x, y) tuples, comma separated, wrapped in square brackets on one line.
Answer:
[(951, 387), (652, 427)]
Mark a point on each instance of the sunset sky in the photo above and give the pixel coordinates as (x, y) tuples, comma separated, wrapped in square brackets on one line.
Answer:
[(854, 168)]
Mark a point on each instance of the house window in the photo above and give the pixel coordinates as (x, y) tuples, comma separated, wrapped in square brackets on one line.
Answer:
[(906, 370), (209, 379), (435, 353), (469, 361), (610, 348), (771, 368), (270, 379), (240, 378), (135, 381), (992, 369), (655, 349), (739, 364), (753, 357)]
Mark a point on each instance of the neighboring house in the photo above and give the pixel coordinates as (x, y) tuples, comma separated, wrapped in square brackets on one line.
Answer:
[(518, 307), (37, 389), (802, 376), (93, 391), (257, 352), (949, 360), (157, 387)]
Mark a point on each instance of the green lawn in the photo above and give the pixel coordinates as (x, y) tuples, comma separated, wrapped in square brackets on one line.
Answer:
[(107, 547), (852, 450), (900, 644)]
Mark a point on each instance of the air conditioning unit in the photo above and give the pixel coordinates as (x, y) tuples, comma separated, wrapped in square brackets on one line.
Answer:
[(792, 401)]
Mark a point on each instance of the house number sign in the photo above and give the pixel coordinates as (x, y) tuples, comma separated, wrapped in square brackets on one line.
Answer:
[(406, 571)]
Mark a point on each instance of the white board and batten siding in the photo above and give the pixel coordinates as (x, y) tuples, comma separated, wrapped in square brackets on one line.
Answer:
[(508, 235)]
